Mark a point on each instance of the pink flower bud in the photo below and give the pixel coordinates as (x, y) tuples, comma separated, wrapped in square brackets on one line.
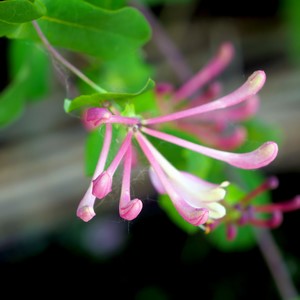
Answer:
[(131, 210), (102, 185)]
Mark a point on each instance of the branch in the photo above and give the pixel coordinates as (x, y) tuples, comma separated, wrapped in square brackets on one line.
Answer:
[(64, 62)]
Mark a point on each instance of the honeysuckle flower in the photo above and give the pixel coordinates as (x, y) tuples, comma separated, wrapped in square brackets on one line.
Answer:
[(246, 212), (222, 130), (196, 200)]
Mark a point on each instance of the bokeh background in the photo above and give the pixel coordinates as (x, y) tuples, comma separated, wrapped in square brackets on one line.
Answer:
[(42, 242)]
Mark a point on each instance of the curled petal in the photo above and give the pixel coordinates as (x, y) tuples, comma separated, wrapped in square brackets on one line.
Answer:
[(258, 158), (131, 210), (216, 210), (102, 185), (252, 86)]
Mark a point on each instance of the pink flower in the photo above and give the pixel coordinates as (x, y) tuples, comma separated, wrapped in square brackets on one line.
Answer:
[(196, 200)]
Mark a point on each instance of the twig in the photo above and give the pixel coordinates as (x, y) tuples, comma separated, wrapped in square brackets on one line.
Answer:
[(64, 62)]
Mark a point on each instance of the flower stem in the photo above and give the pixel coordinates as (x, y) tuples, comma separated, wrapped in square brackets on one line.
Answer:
[(64, 62), (276, 264)]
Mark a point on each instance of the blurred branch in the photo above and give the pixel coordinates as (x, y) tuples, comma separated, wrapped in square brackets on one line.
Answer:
[(276, 264), (165, 44)]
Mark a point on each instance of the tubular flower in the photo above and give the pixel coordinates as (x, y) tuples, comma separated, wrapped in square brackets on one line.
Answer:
[(246, 213), (196, 200), (220, 129)]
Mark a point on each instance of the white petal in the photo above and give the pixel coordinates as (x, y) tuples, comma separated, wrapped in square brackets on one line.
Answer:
[(216, 210)]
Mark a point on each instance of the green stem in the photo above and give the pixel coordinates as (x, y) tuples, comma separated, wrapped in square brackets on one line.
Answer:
[(64, 62)]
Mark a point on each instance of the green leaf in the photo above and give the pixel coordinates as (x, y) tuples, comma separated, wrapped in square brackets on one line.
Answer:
[(82, 27), (29, 68), (12, 100), (167, 2), (21, 11), (6, 29), (95, 100), (113, 75), (24, 54), (108, 4)]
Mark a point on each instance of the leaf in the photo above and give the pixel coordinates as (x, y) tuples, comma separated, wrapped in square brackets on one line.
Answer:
[(35, 59), (28, 67), (21, 11), (114, 75), (95, 100), (108, 4), (6, 28), (12, 100), (79, 26)]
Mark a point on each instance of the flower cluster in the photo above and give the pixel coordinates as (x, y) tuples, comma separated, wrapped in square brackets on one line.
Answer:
[(220, 129), (197, 201), (245, 212)]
